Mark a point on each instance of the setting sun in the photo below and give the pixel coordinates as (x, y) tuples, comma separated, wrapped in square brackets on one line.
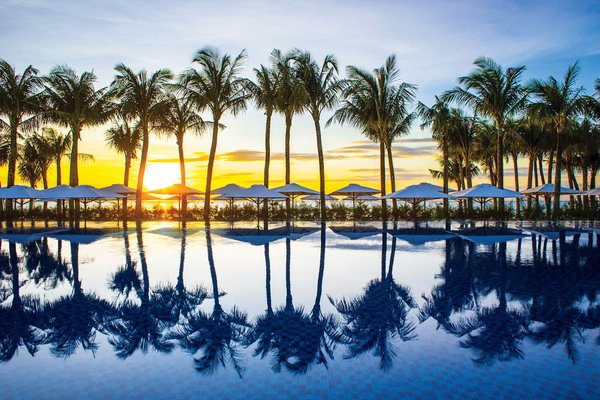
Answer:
[(159, 175)]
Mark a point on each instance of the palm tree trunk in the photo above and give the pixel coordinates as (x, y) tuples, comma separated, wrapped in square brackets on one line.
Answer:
[(12, 157), (321, 167), (288, 280), (268, 279), (45, 184), (182, 173), (126, 182), (392, 180), (584, 177), (317, 306), (211, 264), (58, 182), (557, 176), (267, 148), (267, 155), (209, 170), (541, 171), (529, 181), (142, 170), (500, 164), (445, 172), (288, 129), (516, 168), (550, 165), (74, 170), (382, 179)]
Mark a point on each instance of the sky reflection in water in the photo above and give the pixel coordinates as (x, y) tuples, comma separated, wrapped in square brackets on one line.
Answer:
[(161, 310)]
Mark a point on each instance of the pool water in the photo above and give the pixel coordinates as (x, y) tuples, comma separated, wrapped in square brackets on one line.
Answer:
[(165, 310)]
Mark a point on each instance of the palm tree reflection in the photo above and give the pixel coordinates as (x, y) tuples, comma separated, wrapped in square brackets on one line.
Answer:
[(20, 322), (213, 337), (378, 316), (139, 325), (73, 320)]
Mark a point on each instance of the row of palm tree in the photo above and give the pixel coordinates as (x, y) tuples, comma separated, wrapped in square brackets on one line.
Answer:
[(491, 114), (548, 119), (547, 283)]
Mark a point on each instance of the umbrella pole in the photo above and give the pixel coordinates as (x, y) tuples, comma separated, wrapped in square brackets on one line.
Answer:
[(354, 208)]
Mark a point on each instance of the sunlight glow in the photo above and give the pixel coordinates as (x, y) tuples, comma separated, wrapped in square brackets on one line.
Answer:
[(159, 175)]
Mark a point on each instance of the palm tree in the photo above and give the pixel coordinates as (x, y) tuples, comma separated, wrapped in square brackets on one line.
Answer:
[(180, 117), (375, 105), (30, 167), (558, 103), (438, 118), (265, 96), (495, 93), (218, 86), (124, 137), (322, 87), (291, 100), (141, 96), (19, 106), (59, 146), (74, 102)]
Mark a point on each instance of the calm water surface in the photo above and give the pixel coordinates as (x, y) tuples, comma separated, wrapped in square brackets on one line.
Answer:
[(161, 310)]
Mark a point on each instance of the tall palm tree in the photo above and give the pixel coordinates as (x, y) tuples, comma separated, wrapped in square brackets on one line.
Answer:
[(558, 103), (322, 87), (19, 108), (438, 118), (291, 99), (218, 86), (74, 102), (180, 117), (265, 96), (142, 96), (493, 92), (374, 104)]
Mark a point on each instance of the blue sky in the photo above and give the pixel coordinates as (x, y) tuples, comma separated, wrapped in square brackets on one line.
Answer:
[(435, 42)]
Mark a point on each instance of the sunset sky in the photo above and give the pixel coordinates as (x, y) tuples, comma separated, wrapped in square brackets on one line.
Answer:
[(435, 43)]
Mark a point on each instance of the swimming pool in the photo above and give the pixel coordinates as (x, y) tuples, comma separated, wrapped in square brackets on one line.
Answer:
[(165, 310)]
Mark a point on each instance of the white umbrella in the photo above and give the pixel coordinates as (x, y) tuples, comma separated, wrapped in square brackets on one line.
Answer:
[(485, 191), (293, 190), (230, 188), (59, 192), (353, 191), (593, 192), (434, 187), (363, 198), (179, 190), (548, 189), (19, 193), (119, 189), (258, 194), (415, 194), (317, 197)]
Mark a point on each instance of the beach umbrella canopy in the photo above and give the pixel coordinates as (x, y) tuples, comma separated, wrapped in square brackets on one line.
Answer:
[(548, 189), (417, 192), (317, 197), (19, 192), (593, 192), (364, 197), (293, 190), (434, 187), (354, 190), (177, 189), (88, 192), (59, 192), (118, 188), (487, 191), (227, 189), (145, 196), (258, 193)]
